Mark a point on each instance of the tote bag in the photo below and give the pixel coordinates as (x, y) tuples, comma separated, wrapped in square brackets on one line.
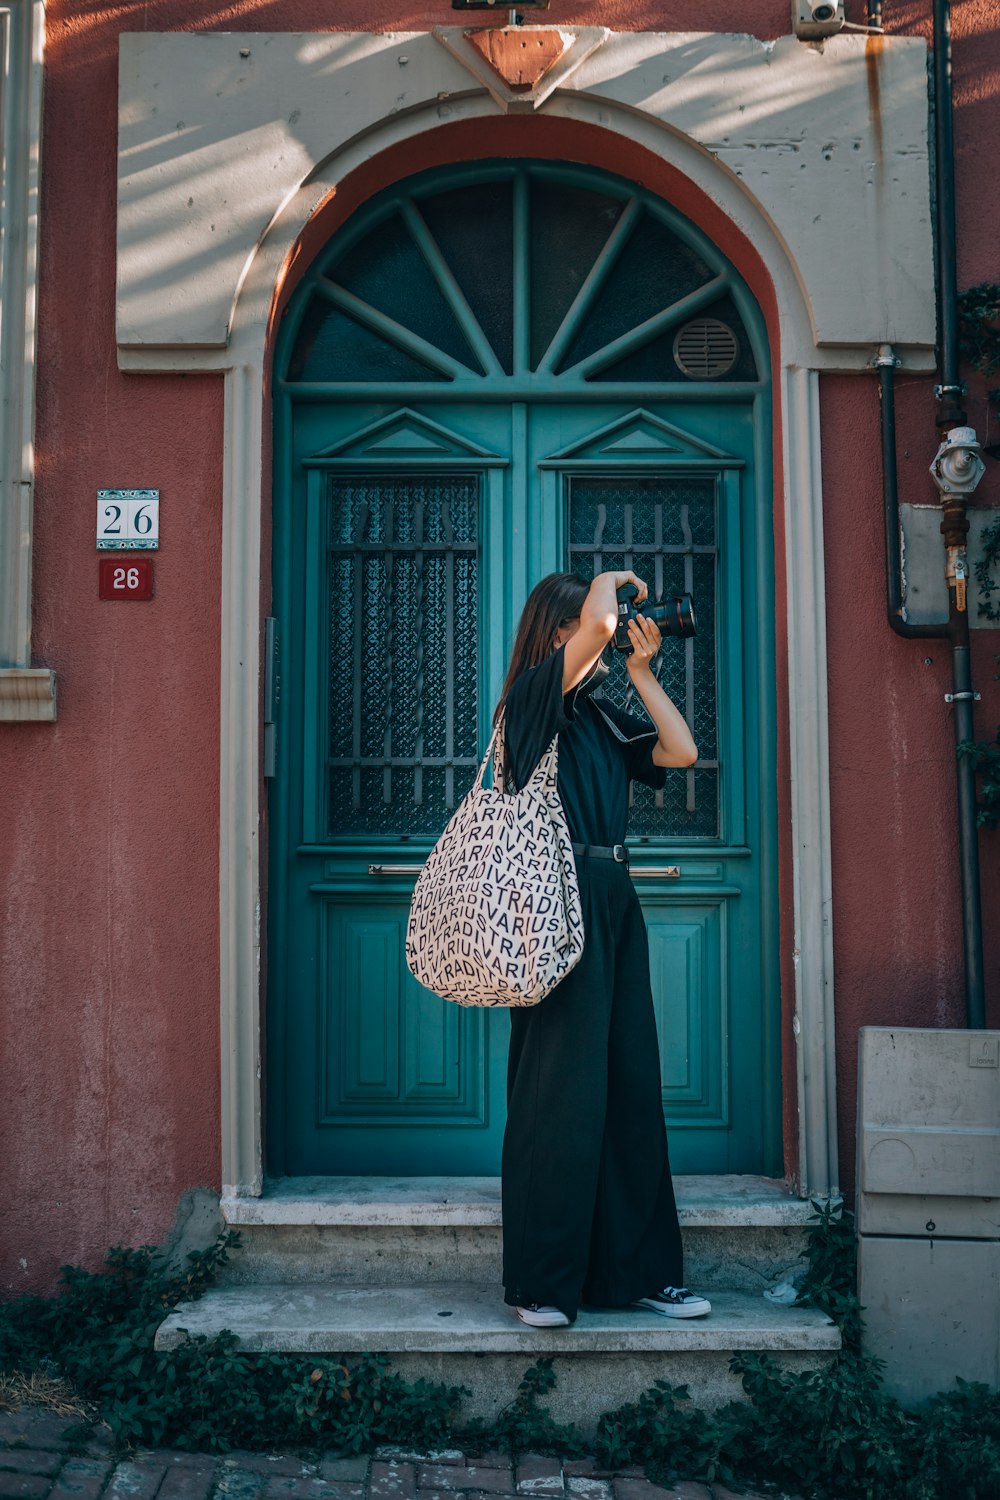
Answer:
[(495, 917)]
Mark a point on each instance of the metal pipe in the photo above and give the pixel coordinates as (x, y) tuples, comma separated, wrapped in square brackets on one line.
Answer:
[(954, 523), (954, 526), (950, 391), (962, 698)]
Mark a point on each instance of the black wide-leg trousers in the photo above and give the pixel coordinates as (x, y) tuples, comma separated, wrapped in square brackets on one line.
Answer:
[(588, 1202)]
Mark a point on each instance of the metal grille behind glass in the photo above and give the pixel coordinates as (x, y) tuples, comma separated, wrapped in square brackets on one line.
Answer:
[(404, 634), (665, 530)]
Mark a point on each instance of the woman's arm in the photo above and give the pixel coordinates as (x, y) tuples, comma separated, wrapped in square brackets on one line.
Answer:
[(675, 746), (598, 619)]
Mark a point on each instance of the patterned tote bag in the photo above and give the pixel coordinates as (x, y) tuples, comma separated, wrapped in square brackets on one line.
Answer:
[(495, 917)]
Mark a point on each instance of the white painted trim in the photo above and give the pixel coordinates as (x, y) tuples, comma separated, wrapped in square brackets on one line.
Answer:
[(27, 694), (812, 880), (22, 33), (240, 789), (240, 783)]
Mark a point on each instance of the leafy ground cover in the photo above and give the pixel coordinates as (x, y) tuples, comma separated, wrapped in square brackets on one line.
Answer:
[(831, 1434)]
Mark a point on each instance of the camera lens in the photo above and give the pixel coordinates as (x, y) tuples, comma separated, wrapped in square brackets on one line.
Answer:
[(675, 616)]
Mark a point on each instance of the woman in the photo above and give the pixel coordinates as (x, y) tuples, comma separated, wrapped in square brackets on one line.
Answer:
[(588, 1202)]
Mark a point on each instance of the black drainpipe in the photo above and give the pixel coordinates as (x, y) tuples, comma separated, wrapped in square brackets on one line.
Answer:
[(954, 524)]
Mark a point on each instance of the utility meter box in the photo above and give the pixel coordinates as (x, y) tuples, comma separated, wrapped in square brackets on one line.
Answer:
[(928, 1205)]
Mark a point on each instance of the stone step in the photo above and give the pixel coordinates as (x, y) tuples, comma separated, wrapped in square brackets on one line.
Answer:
[(740, 1232), (442, 1331)]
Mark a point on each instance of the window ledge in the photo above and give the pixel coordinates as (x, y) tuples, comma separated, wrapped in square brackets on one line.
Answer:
[(27, 695)]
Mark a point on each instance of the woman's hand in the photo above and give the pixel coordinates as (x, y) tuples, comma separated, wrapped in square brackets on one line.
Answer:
[(599, 615), (623, 578), (645, 639)]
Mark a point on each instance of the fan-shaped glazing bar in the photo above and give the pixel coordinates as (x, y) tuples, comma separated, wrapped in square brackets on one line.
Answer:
[(594, 280), (450, 289), (387, 328)]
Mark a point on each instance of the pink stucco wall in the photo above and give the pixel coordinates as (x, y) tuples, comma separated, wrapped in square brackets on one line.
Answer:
[(109, 861)]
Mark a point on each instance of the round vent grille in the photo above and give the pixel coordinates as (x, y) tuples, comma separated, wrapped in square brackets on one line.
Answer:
[(706, 349)]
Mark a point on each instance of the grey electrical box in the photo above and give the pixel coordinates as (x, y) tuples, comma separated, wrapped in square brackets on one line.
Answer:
[(928, 1205)]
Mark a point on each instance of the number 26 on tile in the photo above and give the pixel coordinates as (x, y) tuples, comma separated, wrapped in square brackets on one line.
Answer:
[(128, 520)]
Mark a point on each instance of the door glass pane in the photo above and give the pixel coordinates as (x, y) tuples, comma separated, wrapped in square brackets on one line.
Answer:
[(388, 271), (404, 638), (569, 228), (332, 346), (664, 529), (655, 270), (474, 230)]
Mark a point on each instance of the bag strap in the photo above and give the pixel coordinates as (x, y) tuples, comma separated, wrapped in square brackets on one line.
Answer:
[(545, 771), (483, 763), (547, 767)]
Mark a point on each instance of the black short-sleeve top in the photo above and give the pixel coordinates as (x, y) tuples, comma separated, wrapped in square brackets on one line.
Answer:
[(601, 747)]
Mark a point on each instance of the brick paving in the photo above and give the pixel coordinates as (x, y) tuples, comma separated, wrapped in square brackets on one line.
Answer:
[(39, 1462)]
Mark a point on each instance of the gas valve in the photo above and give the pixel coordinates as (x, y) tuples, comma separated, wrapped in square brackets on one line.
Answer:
[(957, 467), (956, 470)]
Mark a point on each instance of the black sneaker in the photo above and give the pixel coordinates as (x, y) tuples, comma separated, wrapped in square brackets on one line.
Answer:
[(676, 1302), (542, 1317)]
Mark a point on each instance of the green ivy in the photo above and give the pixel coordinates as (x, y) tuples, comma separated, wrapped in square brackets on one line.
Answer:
[(831, 1268), (827, 1434), (985, 754), (986, 583), (208, 1393), (979, 327), (671, 1438), (525, 1426)]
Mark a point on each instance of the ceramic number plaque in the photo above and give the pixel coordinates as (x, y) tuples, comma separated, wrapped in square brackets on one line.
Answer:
[(128, 520)]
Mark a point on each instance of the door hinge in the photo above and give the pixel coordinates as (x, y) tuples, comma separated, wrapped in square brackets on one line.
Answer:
[(272, 690)]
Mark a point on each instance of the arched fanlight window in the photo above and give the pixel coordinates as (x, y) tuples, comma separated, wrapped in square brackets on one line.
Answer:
[(525, 270)]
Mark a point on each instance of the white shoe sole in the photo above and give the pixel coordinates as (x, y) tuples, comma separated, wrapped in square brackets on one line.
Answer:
[(700, 1310), (553, 1319)]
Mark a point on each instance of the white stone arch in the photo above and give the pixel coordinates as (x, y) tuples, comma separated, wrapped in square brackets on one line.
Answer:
[(612, 91)]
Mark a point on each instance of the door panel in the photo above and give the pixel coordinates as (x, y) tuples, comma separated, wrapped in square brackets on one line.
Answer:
[(390, 1052), (684, 946)]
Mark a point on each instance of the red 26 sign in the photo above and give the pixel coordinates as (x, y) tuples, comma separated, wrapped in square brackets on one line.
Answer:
[(125, 577)]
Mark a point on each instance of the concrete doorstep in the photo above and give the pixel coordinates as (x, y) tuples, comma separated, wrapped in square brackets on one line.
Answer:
[(37, 1462), (449, 1317), (411, 1268), (462, 1333)]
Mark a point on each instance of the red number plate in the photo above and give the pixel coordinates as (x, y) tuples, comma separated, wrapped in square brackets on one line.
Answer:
[(125, 577)]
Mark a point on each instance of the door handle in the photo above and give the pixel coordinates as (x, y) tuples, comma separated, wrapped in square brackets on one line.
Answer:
[(654, 872), (394, 869)]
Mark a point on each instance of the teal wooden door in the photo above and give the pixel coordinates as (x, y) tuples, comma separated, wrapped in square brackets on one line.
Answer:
[(487, 376)]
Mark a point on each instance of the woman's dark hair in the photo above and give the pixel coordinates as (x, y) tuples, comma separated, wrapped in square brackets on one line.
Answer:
[(555, 600)]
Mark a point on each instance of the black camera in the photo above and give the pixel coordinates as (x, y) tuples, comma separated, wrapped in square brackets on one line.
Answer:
[(674, 617)]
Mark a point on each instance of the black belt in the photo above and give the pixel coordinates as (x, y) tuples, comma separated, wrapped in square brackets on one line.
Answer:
[(618, 852)]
